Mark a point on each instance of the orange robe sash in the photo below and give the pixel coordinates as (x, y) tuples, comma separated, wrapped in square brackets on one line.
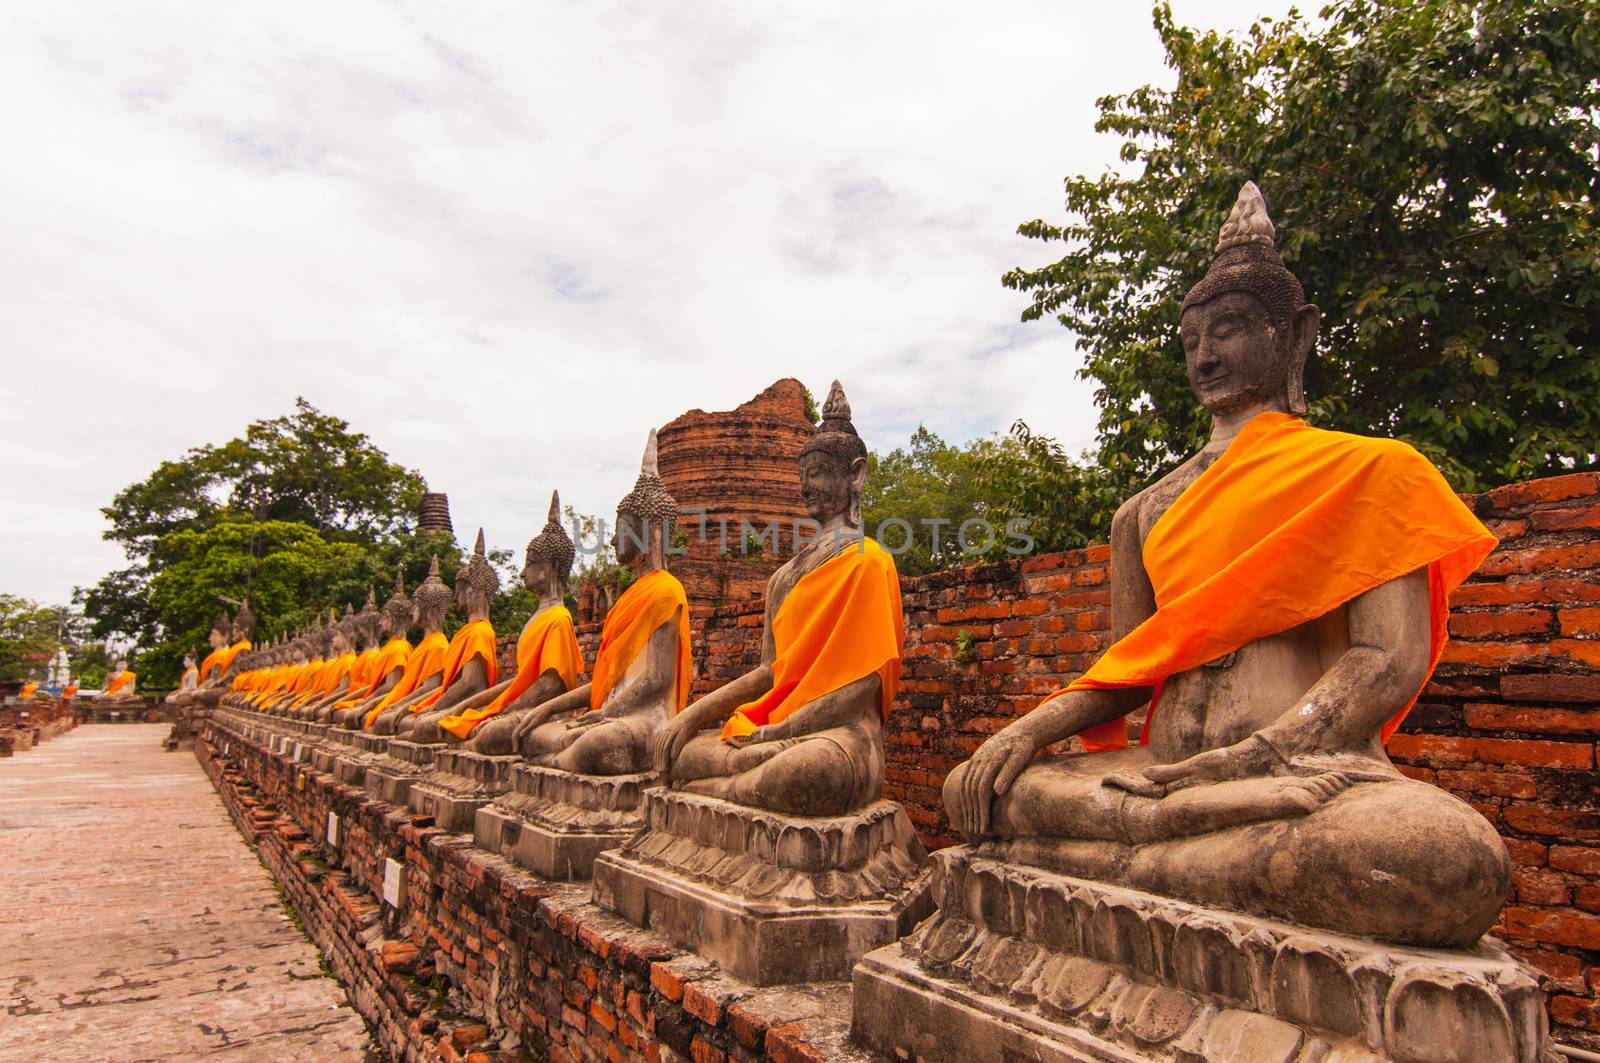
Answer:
[(1288, 524), (548, 642), (295, 682), (475, 639), (843, 621), (328, 681), (649, 602), (392, 656), (422, 664), (28, 690), (211, 662), (119, 681)]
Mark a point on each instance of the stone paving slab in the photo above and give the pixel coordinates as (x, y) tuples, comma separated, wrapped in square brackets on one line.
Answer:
[(135, 923)]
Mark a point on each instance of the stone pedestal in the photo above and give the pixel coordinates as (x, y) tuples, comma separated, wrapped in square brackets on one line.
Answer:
[(1020, 963), (556, 822), (364, 749), (774, 899), (460, 783), (390, 777), (335, 742)]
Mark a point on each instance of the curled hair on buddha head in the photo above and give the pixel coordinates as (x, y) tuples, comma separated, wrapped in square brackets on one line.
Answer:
[(553, 545), (368, 620), (398, 607), (836, 436), (1248, 261), (223, 625), (649, 502), (478, 573), (433, 597)]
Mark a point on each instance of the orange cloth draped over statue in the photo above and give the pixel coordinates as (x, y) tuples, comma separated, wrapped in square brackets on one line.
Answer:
[(649, 602), (327, 680), (392, 656), (117, 682), (229, 654), (294, 682), (422, 664), (549, 642), (841, 622), (28, 690), (1288, 524), (475, 639), (212, 660), (361, 672)]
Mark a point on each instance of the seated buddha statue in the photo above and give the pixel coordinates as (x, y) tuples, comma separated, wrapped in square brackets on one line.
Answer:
[(334, 676), (424, 664), (385, 673), (548, 658), (469, 664), (802, 732), (362, 631), (188, 681), (1279, 600), (119, 686), (304, 659), (211, 666), (641, 670)]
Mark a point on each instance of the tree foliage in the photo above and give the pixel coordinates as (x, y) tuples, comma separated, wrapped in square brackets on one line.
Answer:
[(1431, 169), (299, 513)]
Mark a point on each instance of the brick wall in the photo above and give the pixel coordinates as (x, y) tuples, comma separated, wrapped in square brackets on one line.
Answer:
[(482, 953), (1509, 722)]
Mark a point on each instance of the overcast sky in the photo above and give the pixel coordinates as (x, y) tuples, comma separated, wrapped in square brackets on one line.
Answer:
[(504, 239)]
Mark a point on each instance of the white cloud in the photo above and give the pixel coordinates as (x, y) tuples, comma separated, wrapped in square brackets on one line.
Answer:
[(506, 239)]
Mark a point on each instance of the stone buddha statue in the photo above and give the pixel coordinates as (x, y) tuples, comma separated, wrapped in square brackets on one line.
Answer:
[(211, 668), (291, 682), (425, 664), (469, 667), (334, 678), (390, 665), (802, 732), (548, 658), (119, 685), (1278, 600), (362, 629), (187, 682), (641, 671)]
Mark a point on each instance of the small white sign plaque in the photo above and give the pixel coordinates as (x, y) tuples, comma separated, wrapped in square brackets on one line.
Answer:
[(333, 829), (393, 883)]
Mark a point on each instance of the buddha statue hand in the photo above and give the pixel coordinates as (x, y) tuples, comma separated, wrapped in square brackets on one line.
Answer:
[(668, 741), (990, 772), (1255, 757)]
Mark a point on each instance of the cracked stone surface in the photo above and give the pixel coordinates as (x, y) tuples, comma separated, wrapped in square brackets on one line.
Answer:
[(135, 924)]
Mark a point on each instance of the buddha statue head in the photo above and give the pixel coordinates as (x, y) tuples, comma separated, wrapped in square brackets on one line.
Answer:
[(548, 561), (646, 517), (1246, 327), (188, 661), (365, 626), (833, 464), (221, 632), (120, 666), (244, 622), (396, 616), (477, 583), (431, 601), (342, 632)]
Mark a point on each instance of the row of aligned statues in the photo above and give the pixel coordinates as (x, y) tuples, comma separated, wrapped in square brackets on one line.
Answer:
[(1278, 603)]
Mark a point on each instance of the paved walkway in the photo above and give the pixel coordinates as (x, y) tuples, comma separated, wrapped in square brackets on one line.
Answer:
[(135, 924)]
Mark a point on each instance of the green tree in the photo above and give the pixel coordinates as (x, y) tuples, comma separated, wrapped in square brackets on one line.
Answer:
[(299, 513), (931, 486), (1431, 168), (27, 637)]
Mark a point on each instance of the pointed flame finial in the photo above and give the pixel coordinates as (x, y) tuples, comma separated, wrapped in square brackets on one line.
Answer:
[(478, 549), (649, 465), (433, 567), (1248, 223), (837, 407), (555, 508), (400, 579)]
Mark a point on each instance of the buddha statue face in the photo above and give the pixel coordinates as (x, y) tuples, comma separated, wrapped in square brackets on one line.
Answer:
[(536, 573), (632, 538), (217, 640), (340, 642), (188, 661), (829, 487), (1237, 356)]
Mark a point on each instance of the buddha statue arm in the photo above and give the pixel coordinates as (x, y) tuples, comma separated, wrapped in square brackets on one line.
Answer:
[(483, 697), (651, 686), (1384, 666), (836, 708), (424, 688), (574, 700), (709, 711), (548, 686), (998, 762), (474, 677)]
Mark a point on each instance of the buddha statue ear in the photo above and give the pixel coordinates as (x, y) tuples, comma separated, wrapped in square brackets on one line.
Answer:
[(858, 483), (1302, 337)]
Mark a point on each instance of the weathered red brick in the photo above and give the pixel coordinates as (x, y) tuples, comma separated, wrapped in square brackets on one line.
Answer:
[(787, 1044), (1581, 859), (748, 1028), (1535, 886), (1566, 519), (1491, 717), (701, 1004), (1580, 621), (1551, 686), (1448, 750), (1559, 823), (666, 981), (1560, 926), (1548, 489), (1500, 623), (1575, 1011)]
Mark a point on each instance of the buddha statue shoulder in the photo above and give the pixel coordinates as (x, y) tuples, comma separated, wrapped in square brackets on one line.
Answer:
[(1279, 601), (642, 668), (388, 633), (802, 733), (425, 665)]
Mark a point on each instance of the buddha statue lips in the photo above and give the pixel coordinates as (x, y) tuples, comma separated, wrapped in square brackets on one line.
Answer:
[(803, 732), (1280, 600)]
